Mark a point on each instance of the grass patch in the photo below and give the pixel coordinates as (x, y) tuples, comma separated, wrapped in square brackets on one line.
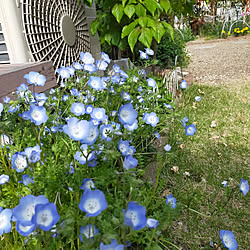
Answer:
[(214, 154)]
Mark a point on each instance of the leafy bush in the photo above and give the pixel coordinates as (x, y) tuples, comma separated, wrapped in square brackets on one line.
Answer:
[(211, 30), (73, 162)]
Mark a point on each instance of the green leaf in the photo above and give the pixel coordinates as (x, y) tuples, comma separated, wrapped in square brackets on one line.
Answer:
[(108, 38), (128, 28), (123, 44), (116, 37), (169, 28), (94, 27), (132, 2), (146, 37), (159, 32), (129, 10), (124, 2), (143, 21), (132, 38), (140, 10), (152, 5), (117, 11), (165, 4), (152, 23)]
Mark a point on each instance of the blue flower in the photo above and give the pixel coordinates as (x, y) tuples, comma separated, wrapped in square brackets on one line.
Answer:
[(77, 108), (83, 155), (151, 82), (244, 187), (5, 220), (37, 114), (228, 239), (125, 96), (183, 84), (116, 68), (101, 65), (27, 180), (63, 72), (151, 118), (4, 178), (35, 78), (150, 52), (26, 208), (98, 114), (87, 184), (105, 132), (152, 223), (130, 162), (132, 127), (71, 70), (91, 68), (13, 109), (224, 183), (46, 216), (135, 216), (157, 135), (105, 57), (77, 65), (113, 246), (123, 146), (140, 89), (21, 89), (87, 58), (33, 153), (25, 230), (95, 82), (6, 99), (123, 74), (171, 200), (167, 148), (5, 140), (197, 98), (88, 231), (168, 106), (75, 92), (89, 109), (143, 55), (19, 162), (76, 129), (65, 98), (93, 202), (184, 121), (141, 72), (190, 130), (93, 134), (127, 114)]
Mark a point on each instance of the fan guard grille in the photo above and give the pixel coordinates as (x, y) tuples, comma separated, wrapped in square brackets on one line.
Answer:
[(56, 30)]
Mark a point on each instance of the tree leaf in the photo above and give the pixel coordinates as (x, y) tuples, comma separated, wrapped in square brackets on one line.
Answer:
[(94, 27), (140, 10), (151, 6), (169, 28), (124, 2), (132, 38), (143, 21), (159, 32), (128, 28), (129, 10), (152, 23), (117, 11), (108, 38), (116, 37), (146, 37), (165, 4)]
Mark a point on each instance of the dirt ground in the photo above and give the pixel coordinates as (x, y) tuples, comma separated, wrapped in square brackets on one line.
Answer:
[(221, 61)]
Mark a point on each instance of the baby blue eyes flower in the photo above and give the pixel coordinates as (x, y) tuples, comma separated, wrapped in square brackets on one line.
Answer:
[(19, 162), (141, 72), (197, 98), (25, 230), (228, 239), (116, 68), (167, 148), (5, 220), (135, 216), (106, 132), (157, 135), (105, 57), (183, 84), (63, 72), (77, 109), (83, 155), (123, 146), (93, 135), (244, 187), (95, 82), (89, 109), (152, 223), (151, 82), (77, 66), (76, 129), (184, 121), (130, 162), (143, 55), (168, 106), (113, 246), (4, 178), (35, 78), (224, 183), (46, 216), (37, 114), (127, 114), (190, 130), (101, 65), (33, 153), (91, 68), (150, 52), (132, 127), (125, 96), (171, 200), (71, 70), (87, 184), (87, 58), (27, 180), (93, 202), (88, 232), (6, 99), (151, 118), (98, 114)]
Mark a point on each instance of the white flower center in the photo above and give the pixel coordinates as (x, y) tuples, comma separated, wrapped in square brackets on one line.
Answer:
[(133, 217), (3, 221), (92, 206), (89, 184), (152, 119), (89, 109), (28, 212), (24, 228), (124, 114), (44, 218), (190, 130), (36, 114), (21, 162), (105, 132), (98, 115), (123, 147)]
